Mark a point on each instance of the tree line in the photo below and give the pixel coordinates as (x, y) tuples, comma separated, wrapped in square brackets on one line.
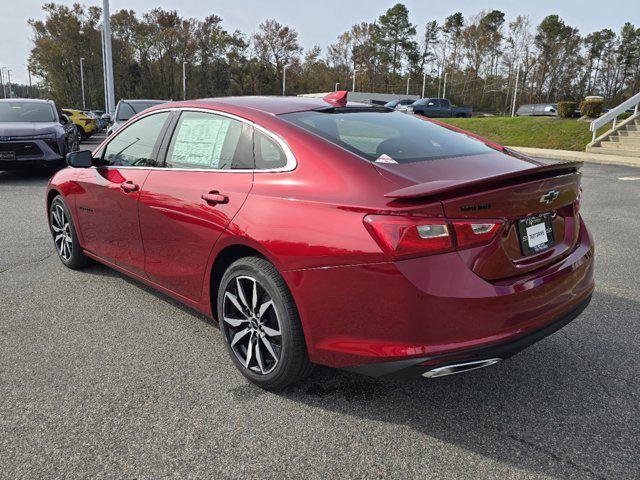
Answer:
[(479, 58)]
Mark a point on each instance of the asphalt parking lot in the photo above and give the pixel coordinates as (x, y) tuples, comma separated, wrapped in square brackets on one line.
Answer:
[(101, 376)]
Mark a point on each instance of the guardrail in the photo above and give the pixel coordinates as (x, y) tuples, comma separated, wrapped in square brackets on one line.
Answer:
[(614, 113)]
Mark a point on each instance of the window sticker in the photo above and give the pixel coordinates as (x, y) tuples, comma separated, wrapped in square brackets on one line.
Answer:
[(199, 141)]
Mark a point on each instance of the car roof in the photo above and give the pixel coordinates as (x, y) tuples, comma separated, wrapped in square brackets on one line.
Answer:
[(28, 100), (273, 105), (141, 100)]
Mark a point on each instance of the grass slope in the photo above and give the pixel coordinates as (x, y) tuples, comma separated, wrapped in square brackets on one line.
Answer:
[(536, 132)]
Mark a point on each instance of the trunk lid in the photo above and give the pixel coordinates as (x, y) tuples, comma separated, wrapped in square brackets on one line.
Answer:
[(501, 187)]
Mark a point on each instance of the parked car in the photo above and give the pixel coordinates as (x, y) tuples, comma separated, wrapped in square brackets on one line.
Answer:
[(438, 108), (86, 124), (538, 109), (32, 133), (400, 105), (97, 114), (129, 108), (318, 231)]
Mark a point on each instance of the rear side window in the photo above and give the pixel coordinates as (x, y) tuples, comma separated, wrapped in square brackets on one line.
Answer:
[(209, 141), (267, 152), (386, 136)]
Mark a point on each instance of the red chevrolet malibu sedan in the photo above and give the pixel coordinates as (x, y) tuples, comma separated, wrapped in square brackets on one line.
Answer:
[(319, 231)]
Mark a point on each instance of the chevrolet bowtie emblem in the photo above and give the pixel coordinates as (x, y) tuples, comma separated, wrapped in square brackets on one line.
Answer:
[(550, 196)]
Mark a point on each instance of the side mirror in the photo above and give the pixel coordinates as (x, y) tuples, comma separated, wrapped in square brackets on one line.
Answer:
[(106, 117), (64, 120), (430, 104), (80, 159)]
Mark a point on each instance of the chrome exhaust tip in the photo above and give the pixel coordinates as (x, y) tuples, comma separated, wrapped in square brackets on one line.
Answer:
[(460, 367)]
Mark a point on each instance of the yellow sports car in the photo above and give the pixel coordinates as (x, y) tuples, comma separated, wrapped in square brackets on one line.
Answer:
[(85, 124)]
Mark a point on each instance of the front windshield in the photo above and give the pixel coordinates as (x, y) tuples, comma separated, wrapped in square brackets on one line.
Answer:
[(126, 110), (386, 136), (26, 112)]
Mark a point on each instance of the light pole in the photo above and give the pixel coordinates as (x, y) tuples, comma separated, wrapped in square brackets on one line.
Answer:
[(9, 77), (444, 88), (184, 80), (81, 81), (284, 79), (30, 88), (424, 81), (515, 92), (108, 59), (408, 80), (4, 87), (336, 87)]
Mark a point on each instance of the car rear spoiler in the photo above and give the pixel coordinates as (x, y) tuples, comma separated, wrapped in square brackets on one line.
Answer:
[(438, 188)]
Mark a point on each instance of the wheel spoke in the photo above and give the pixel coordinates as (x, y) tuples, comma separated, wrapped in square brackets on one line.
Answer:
[(243, 299), (254, 297), (267, 344), (272, 332), (56, 229), (61, 215), (264, 307), (259, 357), (233, 299), (249, 351), (235, 322), (59, 237), (56, 218), (238, 336)]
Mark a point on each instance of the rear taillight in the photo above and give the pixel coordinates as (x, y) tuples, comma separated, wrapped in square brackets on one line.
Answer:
[(407, 237), (474, 234)]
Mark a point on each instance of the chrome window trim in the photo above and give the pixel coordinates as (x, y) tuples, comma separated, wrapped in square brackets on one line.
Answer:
[(288, 167)]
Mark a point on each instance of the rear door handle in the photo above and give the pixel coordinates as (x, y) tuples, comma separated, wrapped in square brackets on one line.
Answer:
[(129, 186), (214, 197)]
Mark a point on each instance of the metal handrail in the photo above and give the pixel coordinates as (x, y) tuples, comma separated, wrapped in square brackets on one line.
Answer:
[(614, 113)]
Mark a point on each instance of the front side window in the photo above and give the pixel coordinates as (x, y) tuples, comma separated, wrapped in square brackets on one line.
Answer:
[(134, 145), (387, 136), (31, 112), (209, 141)]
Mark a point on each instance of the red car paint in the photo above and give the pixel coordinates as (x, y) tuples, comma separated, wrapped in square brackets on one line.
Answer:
[(357, 305)]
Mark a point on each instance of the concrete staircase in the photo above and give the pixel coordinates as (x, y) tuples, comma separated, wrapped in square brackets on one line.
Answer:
[(623, 141)]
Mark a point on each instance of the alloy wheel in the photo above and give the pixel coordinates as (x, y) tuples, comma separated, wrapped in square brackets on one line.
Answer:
[(61, 232), (251, 325)]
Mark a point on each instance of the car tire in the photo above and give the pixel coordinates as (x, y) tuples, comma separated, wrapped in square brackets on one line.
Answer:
[(81, 133), (260, 324), (64, 234)]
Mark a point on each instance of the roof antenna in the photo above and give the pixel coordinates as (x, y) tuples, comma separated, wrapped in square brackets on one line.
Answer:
[(337, 99)]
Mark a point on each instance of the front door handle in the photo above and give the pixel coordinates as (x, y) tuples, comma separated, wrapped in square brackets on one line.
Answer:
[(214, 197), (129, 186)]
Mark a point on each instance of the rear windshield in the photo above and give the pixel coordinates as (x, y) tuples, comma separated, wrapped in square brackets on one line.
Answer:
[(387, 137), (126, 110), (26, 112)]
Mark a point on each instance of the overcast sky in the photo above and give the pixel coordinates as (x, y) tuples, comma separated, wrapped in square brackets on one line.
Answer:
[(317, 22)]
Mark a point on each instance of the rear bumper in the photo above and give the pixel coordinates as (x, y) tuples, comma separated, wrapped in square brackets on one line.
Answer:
[(433, 308), (417, 367)]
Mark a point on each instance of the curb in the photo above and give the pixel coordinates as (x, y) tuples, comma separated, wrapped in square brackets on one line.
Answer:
[(579, 156)]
